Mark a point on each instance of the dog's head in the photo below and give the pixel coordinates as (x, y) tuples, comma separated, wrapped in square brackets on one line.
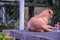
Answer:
[(47, 13)]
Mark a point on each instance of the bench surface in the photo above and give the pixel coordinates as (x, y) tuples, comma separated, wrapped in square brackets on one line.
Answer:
[(28, 35)]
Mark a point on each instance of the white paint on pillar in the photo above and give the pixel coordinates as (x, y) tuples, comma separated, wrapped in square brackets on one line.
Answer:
[(21, 23)]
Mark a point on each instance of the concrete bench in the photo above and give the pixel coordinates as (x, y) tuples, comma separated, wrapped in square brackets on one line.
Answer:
[(28, 35)]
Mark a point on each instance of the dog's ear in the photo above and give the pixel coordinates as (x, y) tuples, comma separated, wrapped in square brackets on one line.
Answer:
[(51, 12)]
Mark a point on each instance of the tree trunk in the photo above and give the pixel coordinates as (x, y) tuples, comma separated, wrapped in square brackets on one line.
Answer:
[(50, 2), (31, 12)]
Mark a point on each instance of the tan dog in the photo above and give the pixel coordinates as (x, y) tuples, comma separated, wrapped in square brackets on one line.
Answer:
[(39, 23)]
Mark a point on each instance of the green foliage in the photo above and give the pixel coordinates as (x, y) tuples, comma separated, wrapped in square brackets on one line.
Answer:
[(16, 25), (40, 2), (9, 26), (36, 3), (56, 16), (6, 38), (6, 26), (12, 8), (3, 37)]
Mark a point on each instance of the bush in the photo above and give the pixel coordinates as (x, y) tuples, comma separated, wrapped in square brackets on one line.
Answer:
[(3, 37), (6, 26)]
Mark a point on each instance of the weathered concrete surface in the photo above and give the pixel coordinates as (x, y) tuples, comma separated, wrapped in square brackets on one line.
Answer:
[(27, 35)]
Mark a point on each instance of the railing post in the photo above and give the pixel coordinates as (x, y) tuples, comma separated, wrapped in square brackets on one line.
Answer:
[(21, 7)]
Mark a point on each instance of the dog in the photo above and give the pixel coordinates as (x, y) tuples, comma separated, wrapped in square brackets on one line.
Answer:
[(39, 23)]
